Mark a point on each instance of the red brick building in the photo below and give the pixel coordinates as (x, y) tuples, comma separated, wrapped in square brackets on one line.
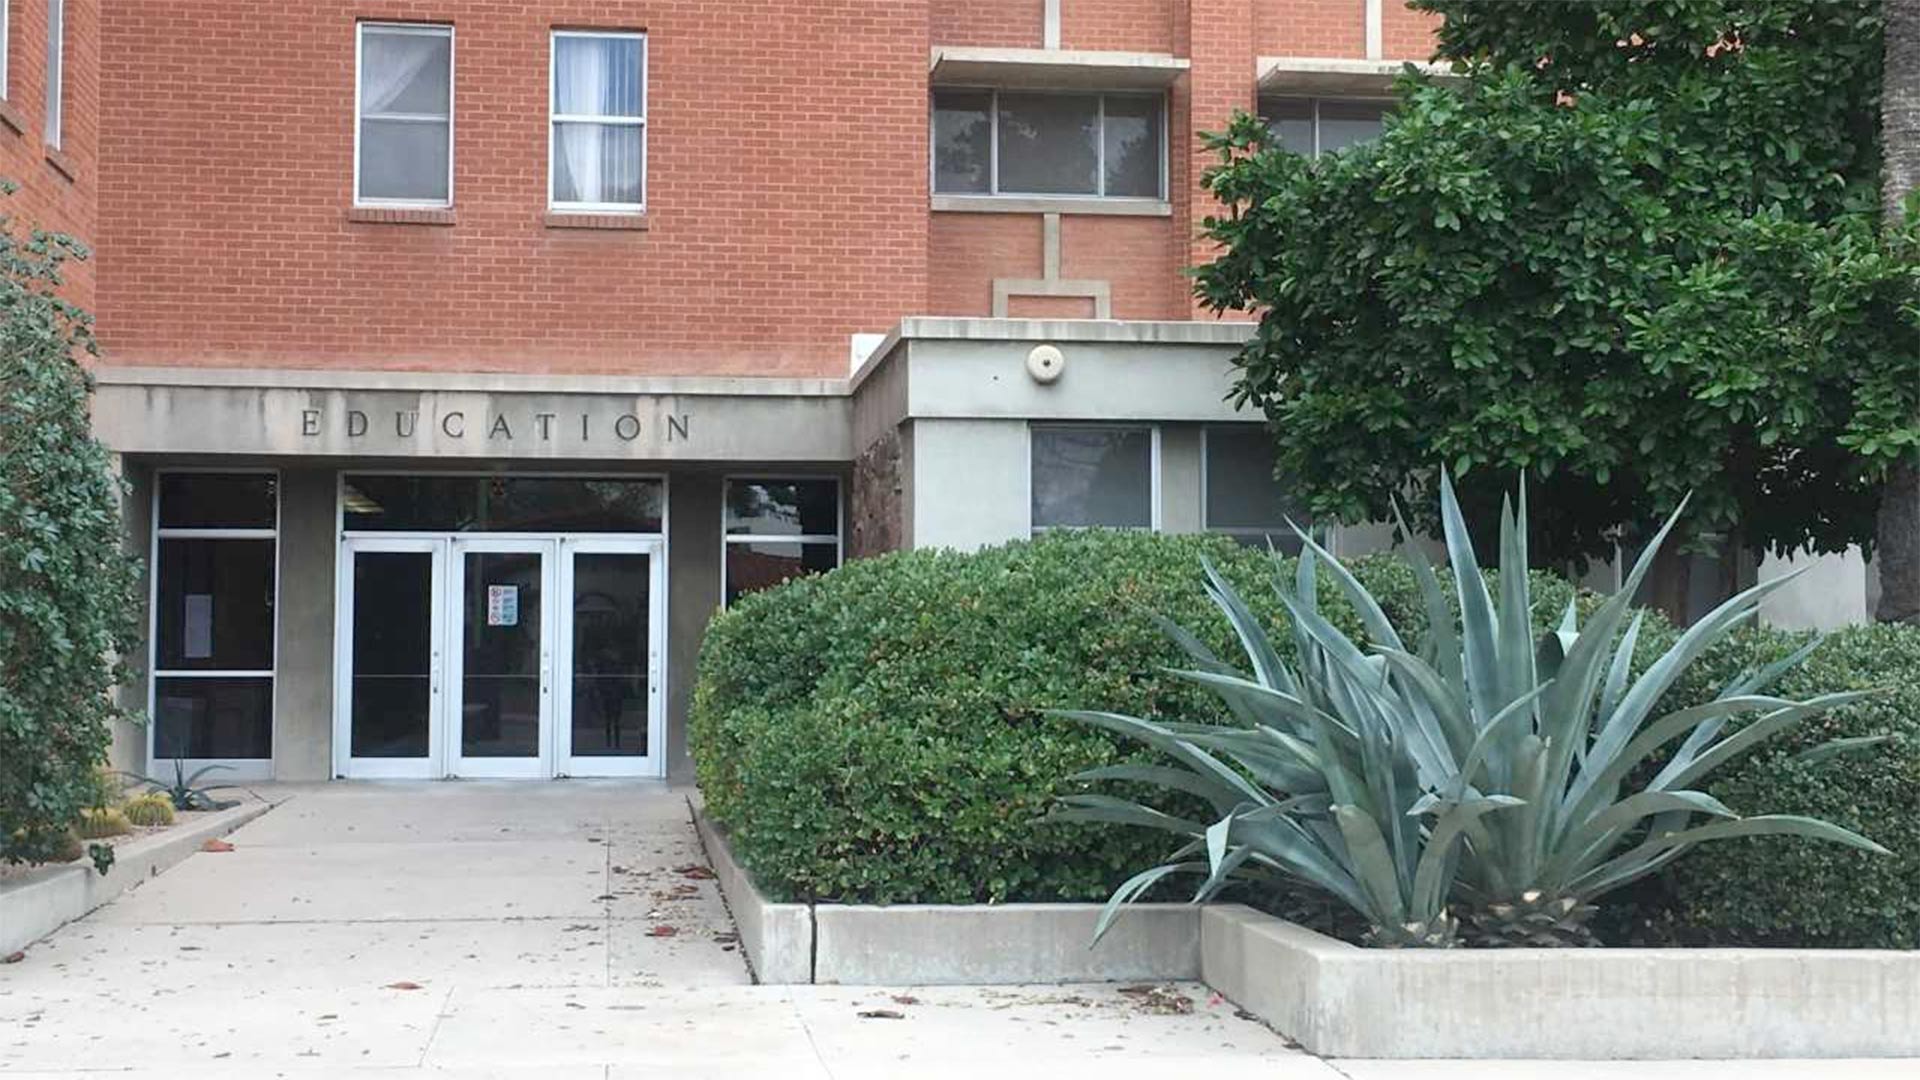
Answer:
[(465, 355)]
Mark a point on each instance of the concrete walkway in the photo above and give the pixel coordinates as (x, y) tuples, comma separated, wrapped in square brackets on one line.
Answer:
[(518, 930)]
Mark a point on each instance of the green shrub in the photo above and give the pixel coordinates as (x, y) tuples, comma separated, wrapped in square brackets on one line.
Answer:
[(876, 734), (1791, 892), (68, 597)]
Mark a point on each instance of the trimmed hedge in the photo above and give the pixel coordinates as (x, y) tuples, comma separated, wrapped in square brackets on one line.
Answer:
[(1795, 892), (876, 734)]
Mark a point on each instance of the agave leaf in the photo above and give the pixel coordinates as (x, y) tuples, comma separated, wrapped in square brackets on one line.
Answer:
[(1133, 887), (1443, 642), (1431, 879), (1109, 810), (1603, 776), (1753, 734), (1832, 748), (1379, 628), (1276, 708), (1222, 797), (1756, 682), (1253, 638), (1762, 825), (1223, 873), (1478, 625), (1198, 760), (1373, 864), (1445, 710), (1596, 838), (1515, 660)]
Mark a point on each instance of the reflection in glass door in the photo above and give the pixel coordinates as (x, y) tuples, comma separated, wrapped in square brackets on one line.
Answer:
[(390, 683), (613, 601), (502, 658)]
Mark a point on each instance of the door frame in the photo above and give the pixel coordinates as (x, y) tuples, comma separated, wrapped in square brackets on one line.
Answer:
[(345, 765), (653, 763), (539, 766)]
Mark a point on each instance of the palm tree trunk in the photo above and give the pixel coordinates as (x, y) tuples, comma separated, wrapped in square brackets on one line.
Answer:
[(1897, 541)]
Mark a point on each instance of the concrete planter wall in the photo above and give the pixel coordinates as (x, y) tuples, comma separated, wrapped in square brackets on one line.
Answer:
[(949, 944), (40, 902), (1340, 1000)]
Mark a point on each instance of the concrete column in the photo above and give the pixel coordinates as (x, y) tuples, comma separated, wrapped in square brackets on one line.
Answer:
[(1181, 493), (303, 682), (693, 596), (129, 749)]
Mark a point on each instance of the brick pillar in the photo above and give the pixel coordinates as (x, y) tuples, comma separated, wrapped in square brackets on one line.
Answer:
[(1217, 36)]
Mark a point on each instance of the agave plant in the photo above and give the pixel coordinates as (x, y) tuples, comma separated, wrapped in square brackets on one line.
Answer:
[(1487, 772), (182, 790)]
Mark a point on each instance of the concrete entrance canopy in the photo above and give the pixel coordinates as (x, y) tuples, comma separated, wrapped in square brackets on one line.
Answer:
[(276, 413)]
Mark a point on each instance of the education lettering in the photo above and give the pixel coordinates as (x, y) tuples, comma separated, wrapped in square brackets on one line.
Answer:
[(499, 427)]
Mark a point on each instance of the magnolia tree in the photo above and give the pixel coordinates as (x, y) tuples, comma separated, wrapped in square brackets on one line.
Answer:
[(68, 600), (1634, 252)]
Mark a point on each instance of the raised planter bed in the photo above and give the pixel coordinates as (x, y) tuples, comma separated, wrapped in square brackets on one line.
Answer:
[(1339, 1000), (40, 901)]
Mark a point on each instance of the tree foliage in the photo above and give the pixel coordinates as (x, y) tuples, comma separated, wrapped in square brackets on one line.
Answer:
[(69, 605), (1633, 251)]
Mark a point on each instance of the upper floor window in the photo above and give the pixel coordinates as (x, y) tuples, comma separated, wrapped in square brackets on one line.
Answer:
[(1315, 126), (56, 67), (1007, 142), (598, 153), (403, 148)]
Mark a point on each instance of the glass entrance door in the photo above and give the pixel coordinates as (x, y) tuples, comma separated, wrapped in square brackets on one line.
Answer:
[(613, 604), (502, 658), (391, 645)]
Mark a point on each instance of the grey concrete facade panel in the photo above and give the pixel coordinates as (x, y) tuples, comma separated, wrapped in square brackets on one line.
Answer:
[(303, 677), (349, 422), (1100, 381)]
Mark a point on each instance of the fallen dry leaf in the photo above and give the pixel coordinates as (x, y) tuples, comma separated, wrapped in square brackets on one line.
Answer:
[(905, 999), (663, 931), (695, 871), (403, 985), (216, 844), (881, 1014), (13, 958)]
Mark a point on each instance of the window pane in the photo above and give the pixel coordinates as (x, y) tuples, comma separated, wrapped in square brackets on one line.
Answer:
[(1242, 492), (397, 503), (1048, 144), (217, 501), (213, 607), (501, 661), (755, 566), (783, 507), (501, 504), (962, 133), (597, 76), (1291, 119), (392, 678), (212, 718), (597, 163), (405, 71), (1346, 123), (403, 159), (1093, 476), (561, 504), (1133, 146), (612, 605)]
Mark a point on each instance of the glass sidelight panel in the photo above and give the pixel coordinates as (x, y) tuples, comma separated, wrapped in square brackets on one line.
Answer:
[(612, 612), (501, 659), (392, 683)]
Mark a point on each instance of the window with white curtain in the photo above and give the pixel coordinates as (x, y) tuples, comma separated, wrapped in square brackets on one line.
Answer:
[(598, 150), (56, 67), (403, 148)]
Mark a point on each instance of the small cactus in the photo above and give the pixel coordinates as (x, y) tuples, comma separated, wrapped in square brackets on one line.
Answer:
[(98, 824), (152, 808)]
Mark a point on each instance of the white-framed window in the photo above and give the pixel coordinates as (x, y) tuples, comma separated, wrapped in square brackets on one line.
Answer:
[(56, 67), (1088, 475), (1316, 126), (597, 122), (403, 115), (212, 650), (1049, 143), (6, 49), (1241, 495), (775, 528)]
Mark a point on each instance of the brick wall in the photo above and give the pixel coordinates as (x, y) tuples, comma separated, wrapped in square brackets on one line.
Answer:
[(786, 174), (786, 192), (56, 189), (1406, 34)]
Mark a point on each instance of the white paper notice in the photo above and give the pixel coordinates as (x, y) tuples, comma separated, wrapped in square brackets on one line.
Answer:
[(503, 605), (199, 628)]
